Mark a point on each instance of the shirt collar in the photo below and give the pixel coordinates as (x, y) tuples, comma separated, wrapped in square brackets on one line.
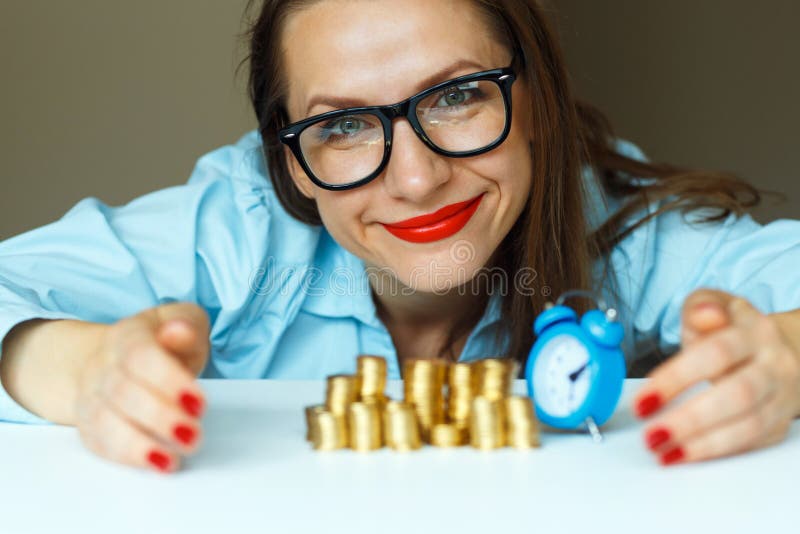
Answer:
[(492, 313), (337, 284)]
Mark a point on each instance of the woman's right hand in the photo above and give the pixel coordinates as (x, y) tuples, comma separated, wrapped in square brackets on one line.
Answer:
[(138, 402)]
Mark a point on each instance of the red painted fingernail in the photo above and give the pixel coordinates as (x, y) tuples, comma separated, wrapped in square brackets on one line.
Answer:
[(192, 404), (672, 456), (648, 404), (184, 434), (657, 437), (159, 460)]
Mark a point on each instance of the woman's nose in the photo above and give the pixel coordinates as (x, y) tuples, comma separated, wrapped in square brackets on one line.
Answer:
[(414, 171)]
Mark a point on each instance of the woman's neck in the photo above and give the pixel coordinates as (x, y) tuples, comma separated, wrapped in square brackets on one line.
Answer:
[(404, 308)]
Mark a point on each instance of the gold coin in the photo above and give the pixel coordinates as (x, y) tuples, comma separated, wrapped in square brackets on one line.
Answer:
[(424, 389), (447, 435), (494, 377), (460, 393), (487, 423), (310, 411), (372, 372), (401, 429), (342, 391), (328, 431), (364, 423), (523, 427)]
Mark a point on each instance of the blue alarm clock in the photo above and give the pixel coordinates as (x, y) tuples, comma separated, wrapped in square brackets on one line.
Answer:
[(575, 370)]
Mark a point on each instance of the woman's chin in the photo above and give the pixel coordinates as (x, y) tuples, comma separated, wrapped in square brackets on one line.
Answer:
[(433, 277)]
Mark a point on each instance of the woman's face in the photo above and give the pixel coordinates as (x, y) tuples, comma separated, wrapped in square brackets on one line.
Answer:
[(379, 52)]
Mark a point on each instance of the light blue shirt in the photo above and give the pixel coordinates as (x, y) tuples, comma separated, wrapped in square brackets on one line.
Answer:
[(286, 301)]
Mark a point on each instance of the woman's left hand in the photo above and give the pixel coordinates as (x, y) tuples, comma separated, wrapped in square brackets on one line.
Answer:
[(754, 372)]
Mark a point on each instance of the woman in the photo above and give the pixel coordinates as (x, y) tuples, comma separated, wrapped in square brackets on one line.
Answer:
[(384, 230)]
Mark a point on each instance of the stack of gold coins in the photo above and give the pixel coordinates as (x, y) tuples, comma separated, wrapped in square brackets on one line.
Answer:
[(447, 435), (328, 431), (460, 393), (364, 424), (401, 429), (494, 377), (523, 428), (423, 387), (311, 413), (372, 372), (487, 423), (343, 390), (479, 409)]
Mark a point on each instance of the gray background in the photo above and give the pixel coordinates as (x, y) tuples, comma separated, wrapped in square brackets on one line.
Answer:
[(114, 99)]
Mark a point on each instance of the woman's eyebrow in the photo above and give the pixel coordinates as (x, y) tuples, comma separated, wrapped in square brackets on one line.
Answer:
[(439, 76)]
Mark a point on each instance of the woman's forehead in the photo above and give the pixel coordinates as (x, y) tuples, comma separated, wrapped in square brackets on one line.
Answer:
[(379, 50)]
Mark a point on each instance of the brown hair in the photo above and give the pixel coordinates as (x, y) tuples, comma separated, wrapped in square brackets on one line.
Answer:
[(550, 235)]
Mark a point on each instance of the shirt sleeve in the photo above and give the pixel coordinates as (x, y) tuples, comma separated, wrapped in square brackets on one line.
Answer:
[(196, 242), (661, 265), (673, 254)]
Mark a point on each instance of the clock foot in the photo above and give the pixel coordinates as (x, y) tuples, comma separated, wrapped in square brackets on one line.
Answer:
[(593, 430)]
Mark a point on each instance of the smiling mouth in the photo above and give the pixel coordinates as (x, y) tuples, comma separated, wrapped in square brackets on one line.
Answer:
[(435, 226)]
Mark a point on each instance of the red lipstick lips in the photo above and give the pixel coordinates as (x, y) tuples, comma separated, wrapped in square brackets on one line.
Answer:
[(437, 225)]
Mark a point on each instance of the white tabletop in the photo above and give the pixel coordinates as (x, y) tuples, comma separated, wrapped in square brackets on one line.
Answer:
[(256, 473)]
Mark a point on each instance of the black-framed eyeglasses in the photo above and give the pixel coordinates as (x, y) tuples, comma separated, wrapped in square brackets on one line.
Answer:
[(458, 118)]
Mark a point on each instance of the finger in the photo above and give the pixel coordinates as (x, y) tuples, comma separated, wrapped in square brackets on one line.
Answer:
[(745, 315), (735, 395), (187, 313), (758, 428), (182, 338), (111, 436), (151, 412), (184, 323), (708, 358), (185, 327), (147, 362), (704, 310)]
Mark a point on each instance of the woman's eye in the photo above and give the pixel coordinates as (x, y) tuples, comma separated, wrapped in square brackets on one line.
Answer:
[(345, 126), (454, 97), (457, 96), (344, 129)]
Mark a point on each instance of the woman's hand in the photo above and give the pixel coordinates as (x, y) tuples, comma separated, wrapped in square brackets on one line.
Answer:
[(138, 401), (755, 376)]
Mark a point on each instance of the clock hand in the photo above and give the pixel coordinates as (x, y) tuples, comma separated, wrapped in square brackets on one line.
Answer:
[(573, 376)]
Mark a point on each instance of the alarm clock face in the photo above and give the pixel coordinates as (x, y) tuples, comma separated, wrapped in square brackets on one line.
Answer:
[(561, 376)]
